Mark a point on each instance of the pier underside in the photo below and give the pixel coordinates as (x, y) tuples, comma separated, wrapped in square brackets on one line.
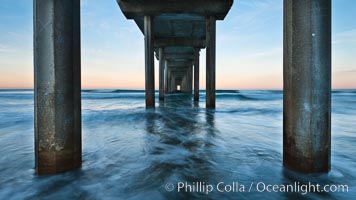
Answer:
[(178, 30)]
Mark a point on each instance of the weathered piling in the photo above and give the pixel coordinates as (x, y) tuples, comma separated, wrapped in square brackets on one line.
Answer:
[(57, 88), (307, 85)]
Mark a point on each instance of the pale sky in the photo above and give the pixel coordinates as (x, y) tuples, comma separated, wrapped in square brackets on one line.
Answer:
[(249, 46)]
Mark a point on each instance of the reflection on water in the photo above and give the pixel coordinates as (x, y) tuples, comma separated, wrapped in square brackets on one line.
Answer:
[(178, 144), (133, 153)]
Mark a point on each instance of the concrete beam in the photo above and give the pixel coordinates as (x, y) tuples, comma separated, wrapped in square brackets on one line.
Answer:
[(171, 60), (149, 62), (179, 50), (175, 56), (307, 85), (179, 74), (180, 63), (180, 41), (210, 61), (57, 88), (179, 68), (132, 8)]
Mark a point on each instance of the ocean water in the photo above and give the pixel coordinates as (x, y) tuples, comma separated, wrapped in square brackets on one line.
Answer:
[(133, 153)]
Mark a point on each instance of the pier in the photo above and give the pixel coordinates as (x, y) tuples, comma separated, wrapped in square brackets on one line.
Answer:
[(174, 32)]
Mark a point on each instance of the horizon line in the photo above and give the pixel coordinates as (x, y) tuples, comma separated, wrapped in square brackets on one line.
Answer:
[(142, 89)]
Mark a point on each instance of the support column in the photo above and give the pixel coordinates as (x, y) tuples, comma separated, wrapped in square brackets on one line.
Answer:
[(166, 76), (173, 86), (190, 79), (161, 74), (169, 85), (307, 85), (196, 74), (149, 62), (210, 61), (57, 86), (185, 84)]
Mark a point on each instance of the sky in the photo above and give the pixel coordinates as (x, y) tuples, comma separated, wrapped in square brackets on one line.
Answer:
[(249, 46)]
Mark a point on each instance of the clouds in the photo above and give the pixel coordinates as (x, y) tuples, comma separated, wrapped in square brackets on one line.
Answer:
[(249, 45), (252, 26), (346, 72), (5, 48), (345, 38), (275, 51), (344, 50), (255, 14)]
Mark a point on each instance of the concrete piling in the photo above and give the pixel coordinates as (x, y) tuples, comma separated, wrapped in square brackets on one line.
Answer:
[(165, 76), (184, 84), (190, 79), (173, 84), (196, 74), (169, 80), (149, 62), (210, 61), (57, 87), (161, 74), (307, 85)]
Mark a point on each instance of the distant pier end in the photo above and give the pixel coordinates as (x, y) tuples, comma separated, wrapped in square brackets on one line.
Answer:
[(176, 30)]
